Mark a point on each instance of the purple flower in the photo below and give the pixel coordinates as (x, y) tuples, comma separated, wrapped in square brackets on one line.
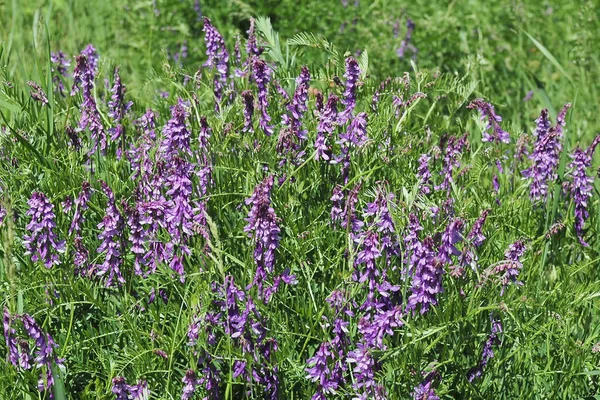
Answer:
[(261, 73), (383, 222), (364, 372), (497, 134), (378, 92), (352, 75), (337, 212), (218, 58), (454, 148), (251, 45), (298, 106), (425, 390), (179, 213), (369, 245), (475, 239), (424, 174), (83, 79), (190, 383), (488, 352), (112, 240), (10, 338), (139, 391), (327, 123), (451, 236), (117, 108), (355, 136), (44, 355), (427, 279), (60, 66), (120, 388), (262, 226), (81, 204), (37, 93), (374, 328), (248, 110), (406, 42), (545, 155), (581, 185), (176, 132), (509, 269), (42, 243)]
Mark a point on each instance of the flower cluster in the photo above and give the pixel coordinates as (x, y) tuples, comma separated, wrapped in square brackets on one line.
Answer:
[(327, 123), (218, 58), (42, 242), (493, 132), (112, 240), (261, 73), (352, 75), (488, 352), (60, 69), (117, 108)]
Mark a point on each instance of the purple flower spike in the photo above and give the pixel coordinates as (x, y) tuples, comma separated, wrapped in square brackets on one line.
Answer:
[(509, 269), (451, 236), (248, 110), (60, 69), (176, 132), (546, 154), (378, 92), (454, 148), (406, 42), (112, 240), (81, 204), (425, 390), (42, 243), (10, 338), (327, 123), (117, 108), (298, 106), (581, 185), (427, 278), (262, 226), (424, 174), (218, 58), (261, 73), (497, 134), (44, 355), (83, 79), (488, 352), (352, 75)]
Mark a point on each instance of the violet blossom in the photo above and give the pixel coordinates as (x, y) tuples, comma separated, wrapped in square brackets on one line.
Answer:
[(218, 58), (60, 68), (352, 76), (261, 73), (378, 92), (355, 136), (327, 123), (117, 108), (454, 148), (581, 185), (298, 106), (425, 390), (42, 243), (424, 174), (488, 352), (81, 204), (112, 240), (493, 132), (83, 79), (248, 110), (427, 278), (406, 42)]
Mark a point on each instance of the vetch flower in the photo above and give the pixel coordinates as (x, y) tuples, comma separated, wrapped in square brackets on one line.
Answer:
[(581, 185), (493, 132), (378, 92), (81, 204), (298, 106), (488, 352), (327, 123), (406, 42), (117, 108), (425, 390), (112, 240), (218, 58), (60, 66), (248, 110), (352, 75), (427, 279), (424, 174), (261, 73), (42, 242)]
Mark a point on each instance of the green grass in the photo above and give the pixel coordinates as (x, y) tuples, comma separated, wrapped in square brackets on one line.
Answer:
[(496, 50)]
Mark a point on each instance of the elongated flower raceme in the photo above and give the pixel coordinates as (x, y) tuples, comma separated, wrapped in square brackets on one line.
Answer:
[(81, 204), (424, 174), (488, 352), (454, 147), (298, 106), (83, 79), (176, 133), (546, 154), (112, 241), (427, 279), (60, 70), (42, 243), (327, 122), (493, 131), (21, 352), (355, 136), (248, 99), (352, 75), (364, 371), (475, 239), (581, 185), (425, 390), (262, 226), (261, 73), (509, 269), (406, 42), (218, 59), (117, 108), (382, 86)]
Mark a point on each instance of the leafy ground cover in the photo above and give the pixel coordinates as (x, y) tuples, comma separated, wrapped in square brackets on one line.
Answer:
[(339, 200)]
